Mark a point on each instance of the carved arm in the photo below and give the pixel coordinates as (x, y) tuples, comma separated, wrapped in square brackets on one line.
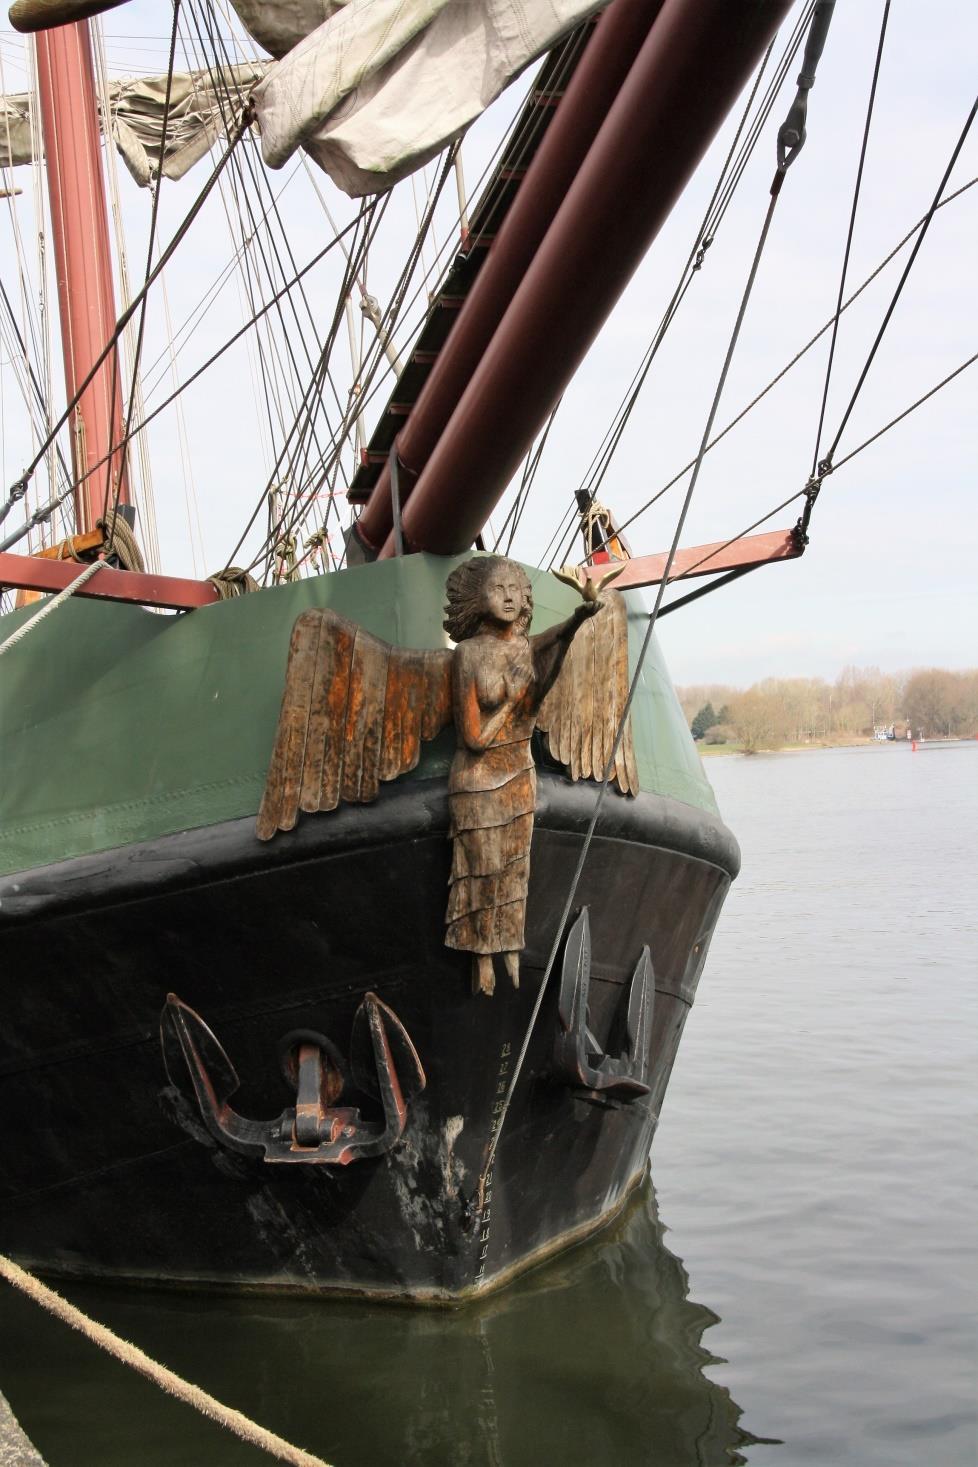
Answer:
[(549, 648)]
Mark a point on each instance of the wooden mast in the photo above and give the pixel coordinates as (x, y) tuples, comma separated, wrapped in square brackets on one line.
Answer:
[(83, 264)]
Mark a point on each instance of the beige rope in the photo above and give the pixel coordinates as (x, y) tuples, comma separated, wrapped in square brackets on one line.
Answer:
[(52, 605), (233, 581), (191, 1395), (120, 537)]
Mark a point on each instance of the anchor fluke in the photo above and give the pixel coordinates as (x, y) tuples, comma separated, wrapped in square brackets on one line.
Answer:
[(578, 1058), (315, 1130)]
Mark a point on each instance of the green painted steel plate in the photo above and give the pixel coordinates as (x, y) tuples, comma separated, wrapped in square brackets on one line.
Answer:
[(119, 724)]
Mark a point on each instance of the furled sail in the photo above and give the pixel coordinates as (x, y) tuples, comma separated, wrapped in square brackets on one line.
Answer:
[(198, 114), (382, 85), (372, 89)]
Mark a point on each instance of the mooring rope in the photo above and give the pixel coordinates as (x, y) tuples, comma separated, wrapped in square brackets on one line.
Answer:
[(191, 1395)]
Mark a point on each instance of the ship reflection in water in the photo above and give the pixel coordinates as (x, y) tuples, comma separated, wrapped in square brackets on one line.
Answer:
[(597, 1357)]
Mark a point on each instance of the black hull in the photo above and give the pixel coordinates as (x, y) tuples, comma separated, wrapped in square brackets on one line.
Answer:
[(113, 1174)]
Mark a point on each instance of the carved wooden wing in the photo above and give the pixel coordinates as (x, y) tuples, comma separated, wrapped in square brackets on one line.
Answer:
[(580, 715), (354, 712)]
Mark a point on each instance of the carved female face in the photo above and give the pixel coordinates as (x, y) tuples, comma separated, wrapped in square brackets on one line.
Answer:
[(487, 591), (502, 594)]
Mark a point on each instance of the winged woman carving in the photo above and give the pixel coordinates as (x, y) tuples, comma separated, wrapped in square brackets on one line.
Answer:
[(355, 712)]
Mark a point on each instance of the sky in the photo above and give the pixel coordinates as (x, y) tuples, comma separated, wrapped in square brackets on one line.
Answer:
[(889, 579)]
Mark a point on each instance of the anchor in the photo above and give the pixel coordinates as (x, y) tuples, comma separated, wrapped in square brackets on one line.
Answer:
[(578, 1058), (383, 1061)]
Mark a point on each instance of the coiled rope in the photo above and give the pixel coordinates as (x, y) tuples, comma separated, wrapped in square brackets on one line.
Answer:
[(120, 539), (233, 581), (174, 1385)]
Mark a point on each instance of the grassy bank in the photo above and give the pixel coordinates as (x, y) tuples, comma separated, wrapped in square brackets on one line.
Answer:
[(711, 751)]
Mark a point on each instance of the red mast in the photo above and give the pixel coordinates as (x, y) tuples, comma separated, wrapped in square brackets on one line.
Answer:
[(79, 220)]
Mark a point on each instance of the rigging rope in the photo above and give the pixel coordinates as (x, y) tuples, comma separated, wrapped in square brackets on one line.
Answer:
[(304, 429), (790, 144), (288, 527), (824, 467), (701, 243), (54, 455), (141, 485), (141, 328), (671, 483), (39, 515), (233, 581), (275, 378), (852, 226), (900, 416), (127, 315), (369, 215), (514, 147), (522, 498), (903, 278), (217, 354), (168, 1380), (729, 177), (799, 493)]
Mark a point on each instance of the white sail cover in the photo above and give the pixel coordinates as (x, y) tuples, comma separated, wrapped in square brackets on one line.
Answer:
[(382, 85)]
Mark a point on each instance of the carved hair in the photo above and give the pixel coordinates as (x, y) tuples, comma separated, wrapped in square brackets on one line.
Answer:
[(466, 607)]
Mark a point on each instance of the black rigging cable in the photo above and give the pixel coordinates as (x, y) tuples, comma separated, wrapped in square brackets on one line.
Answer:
[(20, 489), (727, 181), (671, 483), (515, 149), (852, 226), (368, 216), (215, 356), (694, 261), (134, 304), (903, 278), (523, 139), (532, 463), (270, 382), (791, 139), (905, 413), (202, 18), (400, 291), (825, 466), (799, 494), (141, 329)]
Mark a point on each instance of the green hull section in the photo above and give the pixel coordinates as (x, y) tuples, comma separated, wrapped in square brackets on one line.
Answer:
[(120, 725)]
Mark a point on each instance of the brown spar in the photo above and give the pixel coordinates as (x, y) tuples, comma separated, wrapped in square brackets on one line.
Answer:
[(585, 104), (28, 16), (705, 560), (696, 58)]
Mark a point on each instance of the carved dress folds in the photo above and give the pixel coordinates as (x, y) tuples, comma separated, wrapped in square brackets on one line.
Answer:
[(492, 796)]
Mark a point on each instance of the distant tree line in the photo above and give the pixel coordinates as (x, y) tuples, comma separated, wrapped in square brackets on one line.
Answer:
[(929, 702)]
